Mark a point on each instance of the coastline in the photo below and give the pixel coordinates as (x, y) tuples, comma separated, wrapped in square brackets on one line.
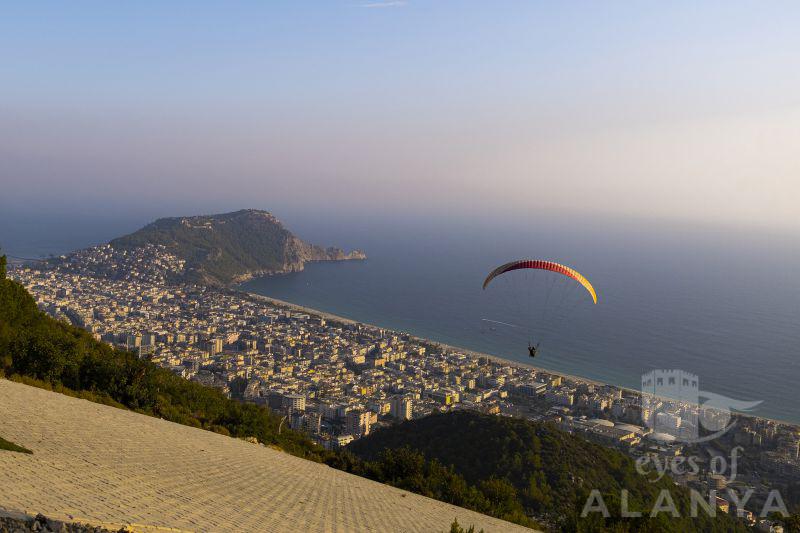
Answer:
[(470, 353)]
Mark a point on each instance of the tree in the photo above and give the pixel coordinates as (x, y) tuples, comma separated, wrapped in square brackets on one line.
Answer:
[(455, 527), (237, 387), (791, 523), (3, 263)]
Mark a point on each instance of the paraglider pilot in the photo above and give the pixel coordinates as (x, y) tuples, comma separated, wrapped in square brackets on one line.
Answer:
[(532, 349)]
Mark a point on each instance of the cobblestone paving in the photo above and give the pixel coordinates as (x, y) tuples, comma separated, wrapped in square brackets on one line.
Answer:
[(97, 464)]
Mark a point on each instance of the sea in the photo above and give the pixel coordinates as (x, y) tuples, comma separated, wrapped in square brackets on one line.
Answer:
[(719, 302)]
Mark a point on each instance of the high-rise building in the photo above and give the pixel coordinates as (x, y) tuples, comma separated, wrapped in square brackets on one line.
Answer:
[(294, 402), (401, 408), (357, 423), (133, 341), (312, 423), (214, 346)]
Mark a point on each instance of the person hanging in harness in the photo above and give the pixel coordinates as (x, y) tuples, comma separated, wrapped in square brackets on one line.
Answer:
[(532, 349), (549, 266)]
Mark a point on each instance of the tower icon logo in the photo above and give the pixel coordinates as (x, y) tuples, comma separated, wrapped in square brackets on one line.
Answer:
[(674, 406)]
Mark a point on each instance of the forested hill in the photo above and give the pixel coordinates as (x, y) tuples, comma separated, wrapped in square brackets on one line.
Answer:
[(535, 469), (231, 247)]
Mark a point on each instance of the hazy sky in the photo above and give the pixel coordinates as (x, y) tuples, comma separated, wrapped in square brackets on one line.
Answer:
[(688, 110)]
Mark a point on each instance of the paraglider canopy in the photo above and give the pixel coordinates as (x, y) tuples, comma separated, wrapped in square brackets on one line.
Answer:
[(542, 265)]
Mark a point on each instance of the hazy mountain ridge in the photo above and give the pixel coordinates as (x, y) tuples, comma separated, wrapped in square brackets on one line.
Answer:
[(232, 247)]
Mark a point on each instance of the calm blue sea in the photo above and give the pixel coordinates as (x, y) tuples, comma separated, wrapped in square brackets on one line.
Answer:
[(721, 303)]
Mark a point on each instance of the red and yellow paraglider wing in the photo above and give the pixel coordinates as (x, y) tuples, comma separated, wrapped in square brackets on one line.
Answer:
[(543, 265)]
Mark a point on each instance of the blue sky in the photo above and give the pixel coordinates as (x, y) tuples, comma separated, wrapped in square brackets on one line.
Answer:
[(686, 110)]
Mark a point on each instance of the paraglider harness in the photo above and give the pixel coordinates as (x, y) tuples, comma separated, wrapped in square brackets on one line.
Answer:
[(532, 349)]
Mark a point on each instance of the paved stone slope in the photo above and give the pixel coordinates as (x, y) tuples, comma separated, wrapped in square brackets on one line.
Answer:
[(97, 464)]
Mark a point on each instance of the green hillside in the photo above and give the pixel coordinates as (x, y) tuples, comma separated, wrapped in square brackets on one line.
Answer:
[(539, 470), (224, 248)]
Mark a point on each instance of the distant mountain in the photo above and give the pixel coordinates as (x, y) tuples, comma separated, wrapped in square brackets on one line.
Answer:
[(231, 247)]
